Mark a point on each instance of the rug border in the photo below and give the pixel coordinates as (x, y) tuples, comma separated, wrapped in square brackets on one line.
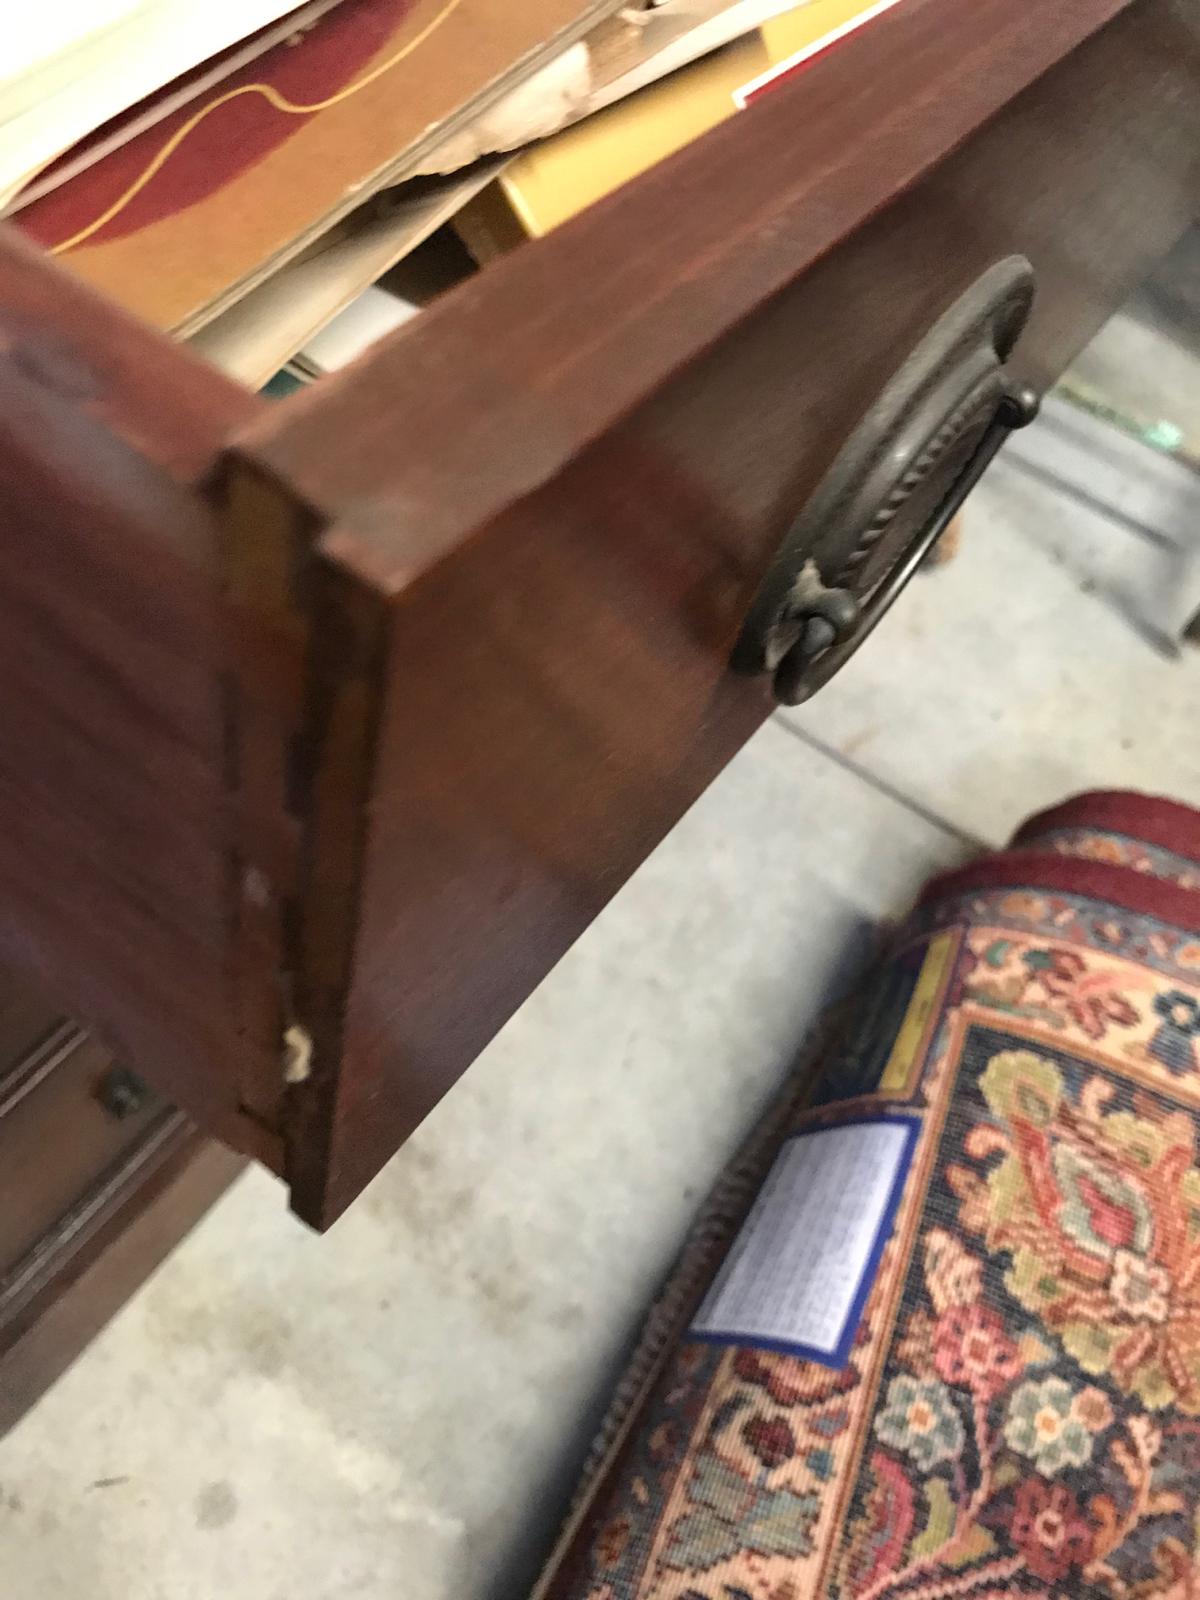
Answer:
[(1148, 819), (1042, 872)]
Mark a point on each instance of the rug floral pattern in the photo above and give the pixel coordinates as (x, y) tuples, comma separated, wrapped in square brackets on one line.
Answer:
[(1039, 1417), (1021, 1412)]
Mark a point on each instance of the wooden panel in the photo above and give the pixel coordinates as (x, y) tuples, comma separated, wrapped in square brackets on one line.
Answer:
[(550, 500), (56, 1135), (117, 870), (27, 1016), (100, 1252), (96, 1189)]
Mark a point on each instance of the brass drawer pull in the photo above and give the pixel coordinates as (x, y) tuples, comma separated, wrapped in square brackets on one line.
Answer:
[(893, 489)]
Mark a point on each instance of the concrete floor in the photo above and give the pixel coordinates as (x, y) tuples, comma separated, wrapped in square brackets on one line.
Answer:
[(397, 1410), (1143, 365)]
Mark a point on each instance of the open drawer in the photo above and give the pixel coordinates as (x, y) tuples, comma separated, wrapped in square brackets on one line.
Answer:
[(328, 726)]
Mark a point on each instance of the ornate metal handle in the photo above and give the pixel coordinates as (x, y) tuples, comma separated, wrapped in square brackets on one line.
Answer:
[(893, 489)]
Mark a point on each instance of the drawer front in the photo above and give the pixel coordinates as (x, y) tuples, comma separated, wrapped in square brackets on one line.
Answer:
[(70, 1121), (101, 1178), (472, 604), (114, 780), (79, 1133)]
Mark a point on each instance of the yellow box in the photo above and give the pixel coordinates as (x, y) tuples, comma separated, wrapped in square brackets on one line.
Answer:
[(553, 180), (793, 31)]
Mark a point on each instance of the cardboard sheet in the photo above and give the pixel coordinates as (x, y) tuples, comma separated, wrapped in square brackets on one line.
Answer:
[(181, 222), (261, 333)]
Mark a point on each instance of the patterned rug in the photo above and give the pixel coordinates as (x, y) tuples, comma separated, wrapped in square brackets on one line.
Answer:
[(1016, 1409)]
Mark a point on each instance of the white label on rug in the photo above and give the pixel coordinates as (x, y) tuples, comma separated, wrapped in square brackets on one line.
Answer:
[(799, 1273)]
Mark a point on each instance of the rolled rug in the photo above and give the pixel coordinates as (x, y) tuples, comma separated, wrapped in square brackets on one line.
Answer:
[(1145, 832), (937, 1334)]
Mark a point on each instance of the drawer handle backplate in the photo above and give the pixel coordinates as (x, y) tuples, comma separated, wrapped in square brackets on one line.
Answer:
[(893, 489)]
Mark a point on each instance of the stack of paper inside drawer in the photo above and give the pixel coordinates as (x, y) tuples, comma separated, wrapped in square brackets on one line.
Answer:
[(245, 174)]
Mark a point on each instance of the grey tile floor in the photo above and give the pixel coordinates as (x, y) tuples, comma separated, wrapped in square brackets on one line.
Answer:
[(397, 1410)]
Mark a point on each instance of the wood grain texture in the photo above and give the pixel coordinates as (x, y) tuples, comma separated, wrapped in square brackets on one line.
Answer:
[(68, 342), (92, 1200), (116, 858), (53, 1128), (555, 494)]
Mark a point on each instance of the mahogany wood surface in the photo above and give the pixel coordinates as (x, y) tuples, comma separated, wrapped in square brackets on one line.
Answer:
[(114, 817), (97, 1186), (116, 861)]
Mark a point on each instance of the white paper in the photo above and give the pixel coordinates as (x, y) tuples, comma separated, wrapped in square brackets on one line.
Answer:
[(798, 1272), (743, 96), (265, 328), (368, 317), (67, 66)]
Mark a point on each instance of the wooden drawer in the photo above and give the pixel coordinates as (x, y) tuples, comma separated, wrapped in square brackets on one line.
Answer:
[(100, 1179), (328, 726), (70, 1118)]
